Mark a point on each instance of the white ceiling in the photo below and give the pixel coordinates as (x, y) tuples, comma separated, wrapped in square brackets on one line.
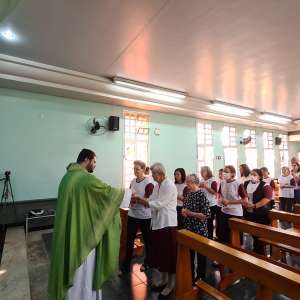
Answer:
[(244, 52)]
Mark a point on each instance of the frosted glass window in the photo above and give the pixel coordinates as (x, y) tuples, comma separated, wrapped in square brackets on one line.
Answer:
[(204, 145), (250, 148), (269, 157), (284, 150), (230, 156), (136, 142)]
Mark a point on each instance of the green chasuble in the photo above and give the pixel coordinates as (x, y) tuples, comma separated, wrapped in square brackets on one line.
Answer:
[(87, 217)]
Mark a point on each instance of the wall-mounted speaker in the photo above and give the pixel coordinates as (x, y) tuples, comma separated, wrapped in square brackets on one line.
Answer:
[(277, 140), (113, 123)]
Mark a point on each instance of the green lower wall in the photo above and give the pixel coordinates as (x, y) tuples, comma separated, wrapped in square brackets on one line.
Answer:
[(40, 135)]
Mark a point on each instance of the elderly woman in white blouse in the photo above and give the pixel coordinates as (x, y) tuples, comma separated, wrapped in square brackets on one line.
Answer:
[(163, 202)]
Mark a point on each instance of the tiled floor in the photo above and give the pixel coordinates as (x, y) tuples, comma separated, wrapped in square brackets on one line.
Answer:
[(134, 286), (38, 264), (14, 277)]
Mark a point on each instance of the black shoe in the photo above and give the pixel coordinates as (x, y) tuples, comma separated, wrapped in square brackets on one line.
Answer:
[(158, 288), (124, 270), (162, 297), (144, 267)]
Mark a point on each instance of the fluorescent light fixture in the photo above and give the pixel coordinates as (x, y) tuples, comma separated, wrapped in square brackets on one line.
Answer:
[(230, 109), (274, 118), (149, 88), (163, 97), (8, 35), (148, 95)]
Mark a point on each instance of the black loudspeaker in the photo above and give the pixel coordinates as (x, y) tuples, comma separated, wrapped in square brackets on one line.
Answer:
[(277, 140), (113, 123)]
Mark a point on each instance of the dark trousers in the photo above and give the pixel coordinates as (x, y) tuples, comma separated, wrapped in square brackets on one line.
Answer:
[(179, 217), (287, 204), (218, 222), (225, 229), (297, 196), (260, 218), (210, 221), (201, 266), (133, 224)]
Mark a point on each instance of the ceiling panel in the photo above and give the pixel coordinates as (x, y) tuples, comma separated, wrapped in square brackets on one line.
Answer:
[(244, 52), (81, 35)]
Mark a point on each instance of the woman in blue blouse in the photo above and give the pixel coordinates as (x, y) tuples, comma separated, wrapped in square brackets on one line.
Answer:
[(196, 211)]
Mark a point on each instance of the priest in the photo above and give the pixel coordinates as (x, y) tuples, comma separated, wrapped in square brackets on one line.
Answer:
[(85, 246)]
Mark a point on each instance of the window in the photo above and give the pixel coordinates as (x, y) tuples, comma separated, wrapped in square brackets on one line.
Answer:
[(284, 151), (229, 143), (250, 148), (136, 140), (268, 152), (205, 146)]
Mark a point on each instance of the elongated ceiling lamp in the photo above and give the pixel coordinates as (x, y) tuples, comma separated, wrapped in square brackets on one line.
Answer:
[(150, 91)]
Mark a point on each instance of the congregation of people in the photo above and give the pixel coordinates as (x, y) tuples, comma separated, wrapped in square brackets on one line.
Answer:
[(203, 205)]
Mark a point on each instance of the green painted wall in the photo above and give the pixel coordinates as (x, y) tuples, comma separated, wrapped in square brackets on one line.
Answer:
[(294, 148), (176, 146), (41, 134)]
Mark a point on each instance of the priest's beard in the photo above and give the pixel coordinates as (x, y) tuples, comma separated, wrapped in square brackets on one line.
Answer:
[(90, 168)]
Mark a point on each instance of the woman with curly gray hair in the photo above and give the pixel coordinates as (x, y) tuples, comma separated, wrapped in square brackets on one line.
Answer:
[(196, 211)]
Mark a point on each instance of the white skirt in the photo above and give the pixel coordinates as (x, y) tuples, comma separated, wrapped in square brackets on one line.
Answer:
[(83, 281)]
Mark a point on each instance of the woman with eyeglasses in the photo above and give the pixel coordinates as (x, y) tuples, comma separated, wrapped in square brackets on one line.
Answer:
[(233, 196)]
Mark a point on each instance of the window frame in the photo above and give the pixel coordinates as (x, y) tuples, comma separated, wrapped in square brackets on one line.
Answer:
[(134, 137), (231, 145), (284, 150), (251, 147), (268, 148), (206, 144)]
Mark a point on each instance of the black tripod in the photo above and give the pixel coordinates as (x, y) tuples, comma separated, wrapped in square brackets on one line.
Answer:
[(7, 191)]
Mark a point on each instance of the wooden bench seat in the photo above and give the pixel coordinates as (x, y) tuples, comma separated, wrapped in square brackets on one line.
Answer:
[(276, 235), (281, 246), (211, 291), (268, 276), (294, 229), (268, 259), (277, 215)]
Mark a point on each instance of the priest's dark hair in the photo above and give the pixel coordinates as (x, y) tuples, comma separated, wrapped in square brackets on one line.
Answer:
[(85, 153)]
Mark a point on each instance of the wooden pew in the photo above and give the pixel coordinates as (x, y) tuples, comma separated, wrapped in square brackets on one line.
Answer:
[(279, 239), (279, 235), (297, 209), (277, 215), (265, 274), (267, 234), (123, 238), (279, 250)]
